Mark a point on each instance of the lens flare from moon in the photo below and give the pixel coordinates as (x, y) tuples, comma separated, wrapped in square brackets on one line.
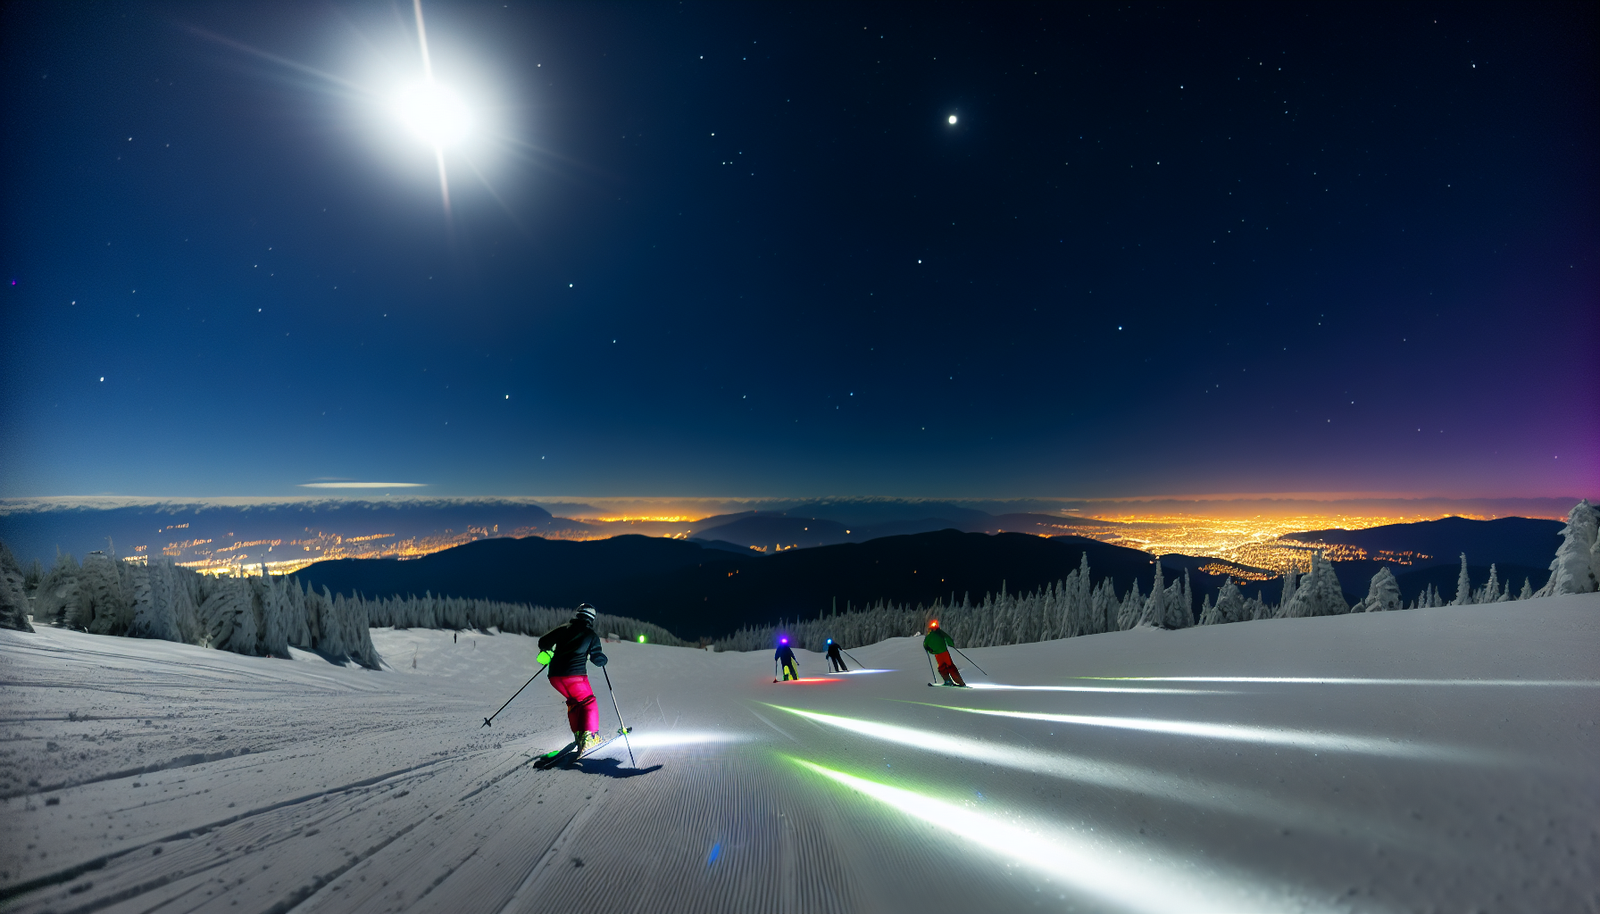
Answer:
[(434, 114)]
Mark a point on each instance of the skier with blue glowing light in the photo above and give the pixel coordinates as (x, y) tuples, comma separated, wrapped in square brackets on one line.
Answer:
[(835, 661)]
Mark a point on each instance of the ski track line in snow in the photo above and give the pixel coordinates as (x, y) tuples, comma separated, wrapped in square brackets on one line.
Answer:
[(73, 872)]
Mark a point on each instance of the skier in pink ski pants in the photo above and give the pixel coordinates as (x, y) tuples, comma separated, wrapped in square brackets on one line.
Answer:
[(567, 649)]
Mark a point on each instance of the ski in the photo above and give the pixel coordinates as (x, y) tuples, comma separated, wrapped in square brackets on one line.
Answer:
[(946, 685), (569, 752), (554, 756)]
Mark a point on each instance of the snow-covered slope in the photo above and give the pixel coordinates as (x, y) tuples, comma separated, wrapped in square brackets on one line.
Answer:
[(1439, 759)]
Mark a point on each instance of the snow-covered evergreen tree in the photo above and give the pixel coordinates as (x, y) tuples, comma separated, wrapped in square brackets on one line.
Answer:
[(56, 598), (1155, 607), (1527, 589), (269, 596), (14, 604), (1291, 580), (1132, 607), (1318, 594), (1576, 568), (1383, 593), (1179, 604), (1231, 604), (1490, 593), (1463, 585), (104, 607)]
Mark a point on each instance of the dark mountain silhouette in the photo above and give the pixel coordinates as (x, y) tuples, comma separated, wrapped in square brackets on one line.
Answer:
[(38, 534), (1505, 541), (778, 531), (697, 591)]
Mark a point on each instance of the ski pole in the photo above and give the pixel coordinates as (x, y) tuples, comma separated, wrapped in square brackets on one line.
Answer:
[(486, 720), (969, 659), (774, 671), (623, 728), (931, 671), (852, 657)]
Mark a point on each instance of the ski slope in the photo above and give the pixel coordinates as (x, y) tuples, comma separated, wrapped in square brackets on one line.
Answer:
[(1435, 759)]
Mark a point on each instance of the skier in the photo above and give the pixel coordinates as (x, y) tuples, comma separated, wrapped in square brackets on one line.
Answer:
[(785, 655), (567, 649), (835, 662), (938, 644)]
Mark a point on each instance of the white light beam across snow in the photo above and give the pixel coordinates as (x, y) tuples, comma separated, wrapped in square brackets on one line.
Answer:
[(1242, 802), (1126, 877), (1299, 739), (1132, 690), (1309, 680)]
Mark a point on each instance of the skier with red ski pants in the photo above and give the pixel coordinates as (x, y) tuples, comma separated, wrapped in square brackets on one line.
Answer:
[(567, 650), (938, 644)]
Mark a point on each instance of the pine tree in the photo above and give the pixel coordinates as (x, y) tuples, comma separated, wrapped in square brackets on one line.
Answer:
[(1291, 580), (1383, 593), (152, 603), (1155, 608), (1491, 590), (1132, 607), (1319, 594), (104, 604), (56, 598), (1527, 590), (1463, 585), (1576, 567), (1231, 604), (14, 604)]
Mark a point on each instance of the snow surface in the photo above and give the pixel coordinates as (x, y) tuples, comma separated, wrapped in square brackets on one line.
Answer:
[(1433, 759)]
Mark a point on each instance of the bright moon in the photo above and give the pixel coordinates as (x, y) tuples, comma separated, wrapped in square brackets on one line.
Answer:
[(952, 118), (434, 114)]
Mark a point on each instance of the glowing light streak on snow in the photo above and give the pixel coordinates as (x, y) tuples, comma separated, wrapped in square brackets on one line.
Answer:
[(1225, 799), (1299, 739), (1123, 876), (684, 738), (1310, 680), (1135, 690), (860, 672)]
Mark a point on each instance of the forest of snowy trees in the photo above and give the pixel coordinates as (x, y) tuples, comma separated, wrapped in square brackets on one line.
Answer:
[(1077, 606), (264, 615), (256, 615)]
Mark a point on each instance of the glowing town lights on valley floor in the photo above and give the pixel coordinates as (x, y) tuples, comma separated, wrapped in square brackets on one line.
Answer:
[(1126, 877)]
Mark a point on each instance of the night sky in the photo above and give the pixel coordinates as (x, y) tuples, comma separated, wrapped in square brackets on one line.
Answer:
[(740, 249)]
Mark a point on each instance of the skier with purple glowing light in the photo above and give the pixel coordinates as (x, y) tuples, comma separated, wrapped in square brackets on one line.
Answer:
[(784, 655)]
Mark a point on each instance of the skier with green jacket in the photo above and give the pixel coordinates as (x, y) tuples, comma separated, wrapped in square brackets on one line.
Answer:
[(938, 642)]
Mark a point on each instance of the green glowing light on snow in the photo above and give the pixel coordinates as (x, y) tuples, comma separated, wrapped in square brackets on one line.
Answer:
[(641, 639)]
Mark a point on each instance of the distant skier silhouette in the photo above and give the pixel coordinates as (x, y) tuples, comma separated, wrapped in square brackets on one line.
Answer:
[(567, 650), (938, 644), (785, 656), (835, 662)]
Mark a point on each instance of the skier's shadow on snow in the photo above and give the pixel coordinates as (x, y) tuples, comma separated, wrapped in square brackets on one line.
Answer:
[(612, 768)]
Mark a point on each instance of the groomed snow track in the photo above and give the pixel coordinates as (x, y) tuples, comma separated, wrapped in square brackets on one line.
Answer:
[(1437, 759)]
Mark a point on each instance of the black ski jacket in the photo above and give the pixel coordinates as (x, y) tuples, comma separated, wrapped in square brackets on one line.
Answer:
[(833, 651), (784, 653), (574, 644)]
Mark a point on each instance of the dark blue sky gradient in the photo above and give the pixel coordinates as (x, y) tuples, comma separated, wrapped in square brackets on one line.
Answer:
[(1348, 248)]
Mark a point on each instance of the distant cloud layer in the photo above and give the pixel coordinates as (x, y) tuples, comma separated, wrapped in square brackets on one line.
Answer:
[(362, 485)]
